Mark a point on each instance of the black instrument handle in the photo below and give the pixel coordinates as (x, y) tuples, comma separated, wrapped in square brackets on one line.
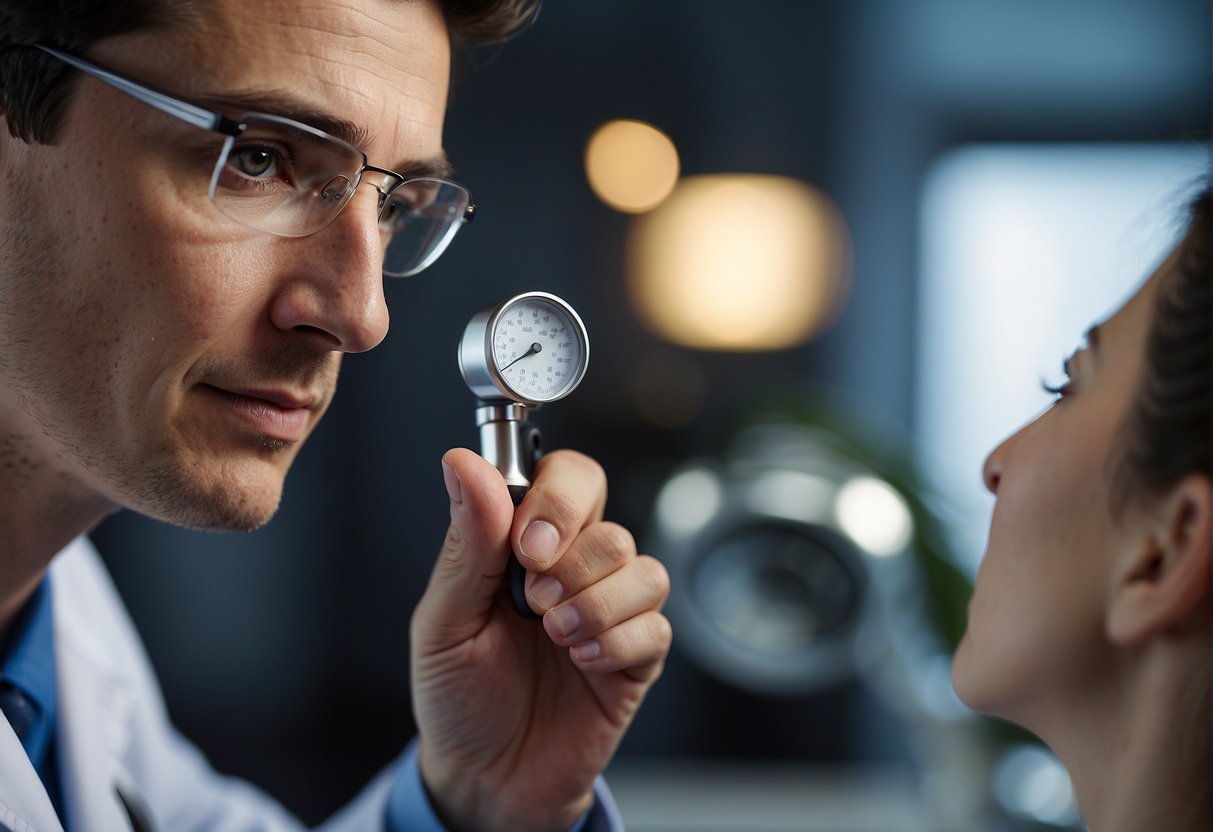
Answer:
[(530, 439)]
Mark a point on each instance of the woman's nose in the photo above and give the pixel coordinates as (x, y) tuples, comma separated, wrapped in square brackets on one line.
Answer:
[(991, 470)]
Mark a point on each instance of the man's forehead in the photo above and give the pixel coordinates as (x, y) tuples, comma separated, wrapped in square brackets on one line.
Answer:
[(359, 44), (361, 70)]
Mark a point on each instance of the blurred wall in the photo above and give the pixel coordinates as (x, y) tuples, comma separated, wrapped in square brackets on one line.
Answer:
[(284, 652)]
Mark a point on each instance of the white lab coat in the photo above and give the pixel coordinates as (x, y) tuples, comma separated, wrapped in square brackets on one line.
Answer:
[(113, 729)]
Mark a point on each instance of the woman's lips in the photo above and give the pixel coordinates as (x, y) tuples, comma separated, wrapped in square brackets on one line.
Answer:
[(272, 413)]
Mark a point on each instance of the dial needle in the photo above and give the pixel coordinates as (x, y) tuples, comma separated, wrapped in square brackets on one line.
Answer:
[(535, 347)]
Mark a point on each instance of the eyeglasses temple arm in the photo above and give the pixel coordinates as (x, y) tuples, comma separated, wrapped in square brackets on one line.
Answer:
[(189, 113)]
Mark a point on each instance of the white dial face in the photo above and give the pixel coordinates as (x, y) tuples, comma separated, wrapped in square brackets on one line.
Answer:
[(537, 349)]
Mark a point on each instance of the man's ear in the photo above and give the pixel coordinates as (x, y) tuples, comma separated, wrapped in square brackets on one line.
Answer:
[(1163, 572)]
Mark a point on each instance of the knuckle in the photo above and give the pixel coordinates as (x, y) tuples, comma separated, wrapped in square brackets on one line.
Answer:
[(597, 609), (615, 542), (658, 575), (662, 631), (450, 556), (577, 463), (453, 540), (587, 464), (594, 471), (614, 642), (561, 508)]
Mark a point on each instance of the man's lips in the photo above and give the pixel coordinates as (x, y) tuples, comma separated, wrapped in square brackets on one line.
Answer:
[(276, 414)]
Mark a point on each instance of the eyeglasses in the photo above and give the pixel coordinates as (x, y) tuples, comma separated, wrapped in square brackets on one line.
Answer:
[(277, 175)]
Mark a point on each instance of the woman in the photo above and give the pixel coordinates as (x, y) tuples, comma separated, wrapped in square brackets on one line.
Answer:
[(1090, 620)]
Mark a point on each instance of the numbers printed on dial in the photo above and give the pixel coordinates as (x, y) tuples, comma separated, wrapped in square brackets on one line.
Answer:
[(536, 349)]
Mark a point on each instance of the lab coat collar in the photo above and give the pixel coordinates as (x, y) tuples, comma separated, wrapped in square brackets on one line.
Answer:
[(96, 699), (24, 804), (96, 705)]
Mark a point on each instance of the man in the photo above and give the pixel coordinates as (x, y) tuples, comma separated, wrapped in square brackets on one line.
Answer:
[(200, 199)]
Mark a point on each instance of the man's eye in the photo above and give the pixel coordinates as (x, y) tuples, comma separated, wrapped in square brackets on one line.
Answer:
[(394, 213), (255, 162)]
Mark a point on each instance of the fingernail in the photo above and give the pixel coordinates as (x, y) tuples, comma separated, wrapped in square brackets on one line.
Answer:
[(566, 619), (454, 488), (547, 591), (539, 542), (585, 651)]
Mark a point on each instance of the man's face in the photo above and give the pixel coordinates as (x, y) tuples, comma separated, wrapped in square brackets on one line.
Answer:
[(156, 355)]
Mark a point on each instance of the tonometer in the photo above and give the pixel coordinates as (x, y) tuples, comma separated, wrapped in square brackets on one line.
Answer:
[(516, 356)]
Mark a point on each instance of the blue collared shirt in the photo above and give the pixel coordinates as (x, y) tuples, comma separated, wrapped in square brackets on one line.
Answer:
[(28, 664)]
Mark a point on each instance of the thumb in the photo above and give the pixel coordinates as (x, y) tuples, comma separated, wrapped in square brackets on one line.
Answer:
[(469, 570)]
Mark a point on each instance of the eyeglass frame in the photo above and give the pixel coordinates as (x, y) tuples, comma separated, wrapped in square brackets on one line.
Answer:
[(217, 122)]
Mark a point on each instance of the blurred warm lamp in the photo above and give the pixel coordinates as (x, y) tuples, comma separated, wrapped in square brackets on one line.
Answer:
[(632, 166), (739, 262)]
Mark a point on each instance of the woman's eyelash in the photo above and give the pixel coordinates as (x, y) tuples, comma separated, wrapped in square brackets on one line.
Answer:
[(1058, 390), (1063, 389)]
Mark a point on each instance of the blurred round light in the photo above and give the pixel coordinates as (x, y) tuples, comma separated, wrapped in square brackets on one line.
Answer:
[(688, 502), (1031, 782), (632, 166), (875, 516), (739, 262)]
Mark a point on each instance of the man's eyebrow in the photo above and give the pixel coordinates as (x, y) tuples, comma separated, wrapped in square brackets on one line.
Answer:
[(276, 103), (438, 167), (285, 105)]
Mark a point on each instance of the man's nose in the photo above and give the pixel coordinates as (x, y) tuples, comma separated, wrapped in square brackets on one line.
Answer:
[(336, 289)]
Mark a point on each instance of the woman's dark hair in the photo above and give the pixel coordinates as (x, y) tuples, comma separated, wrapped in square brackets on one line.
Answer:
[(35, 88), (1167, 438), (1167, 433)]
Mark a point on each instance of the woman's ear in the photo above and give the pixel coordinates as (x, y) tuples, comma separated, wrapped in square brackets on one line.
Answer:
[(1163, 572)]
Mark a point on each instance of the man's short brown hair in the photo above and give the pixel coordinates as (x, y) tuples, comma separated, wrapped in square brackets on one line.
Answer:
[(35, 88)]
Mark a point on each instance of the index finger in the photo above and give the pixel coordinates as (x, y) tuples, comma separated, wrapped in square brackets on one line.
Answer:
[(568, 493)]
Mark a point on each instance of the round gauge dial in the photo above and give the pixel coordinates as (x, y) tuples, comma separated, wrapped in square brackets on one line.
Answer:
[(532, 348)]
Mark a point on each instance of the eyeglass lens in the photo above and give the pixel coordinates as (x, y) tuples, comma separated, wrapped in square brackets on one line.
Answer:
[(285, 178)]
